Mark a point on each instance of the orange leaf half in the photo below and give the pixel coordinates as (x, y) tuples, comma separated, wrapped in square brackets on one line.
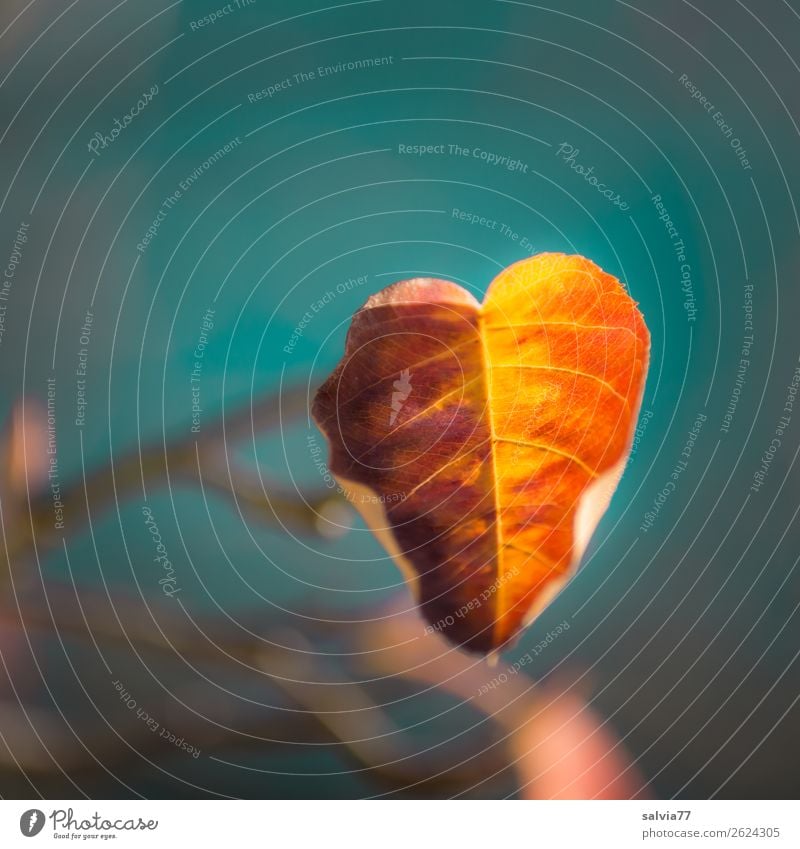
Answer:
[(482, 442)]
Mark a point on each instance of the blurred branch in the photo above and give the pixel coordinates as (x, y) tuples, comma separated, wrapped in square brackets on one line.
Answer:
[(205, 459), (330, 702)]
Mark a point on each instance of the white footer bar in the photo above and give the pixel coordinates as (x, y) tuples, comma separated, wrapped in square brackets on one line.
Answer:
[(400, 824)]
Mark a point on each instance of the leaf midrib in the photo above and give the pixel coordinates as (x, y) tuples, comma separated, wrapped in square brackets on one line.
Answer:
[(487, 381)]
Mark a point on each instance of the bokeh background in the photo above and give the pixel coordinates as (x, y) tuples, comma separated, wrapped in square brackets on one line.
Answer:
[(271, 186)]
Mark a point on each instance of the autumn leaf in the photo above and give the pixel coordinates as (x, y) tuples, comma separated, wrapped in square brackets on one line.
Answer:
[(482, 442)]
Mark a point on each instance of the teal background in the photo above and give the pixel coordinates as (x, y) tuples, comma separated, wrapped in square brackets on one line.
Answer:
[(318, 193)]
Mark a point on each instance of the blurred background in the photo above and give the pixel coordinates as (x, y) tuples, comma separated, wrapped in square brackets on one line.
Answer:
[(195, 200)]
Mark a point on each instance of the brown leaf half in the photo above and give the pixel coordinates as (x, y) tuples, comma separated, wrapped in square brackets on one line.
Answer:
[(482, 442)]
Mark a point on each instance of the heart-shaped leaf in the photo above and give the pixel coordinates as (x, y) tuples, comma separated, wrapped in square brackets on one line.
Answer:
[(482, 442)]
